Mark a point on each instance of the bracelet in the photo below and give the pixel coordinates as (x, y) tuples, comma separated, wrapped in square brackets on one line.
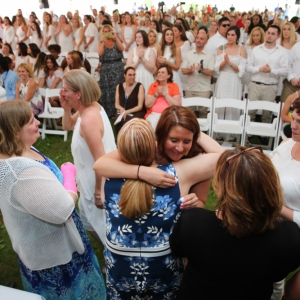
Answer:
[(137, 173), (231, 65), (155, 95), (97, 196)]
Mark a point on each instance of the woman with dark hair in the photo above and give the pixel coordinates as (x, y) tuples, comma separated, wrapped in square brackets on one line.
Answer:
[(186, 27), (245, 32), (128, 34), (91, 34), (33, 50), (142, 58), (139, 263), (7, 51), (110, 51), (230, 64), (161, 94), (49, 31), (9, 33), (35, 34), (170, 55), (64, 34), (156, 26), (130, 98), (51, 77), (22, 57), (257, 20), (39, 65), (182, 42), (246, 227)]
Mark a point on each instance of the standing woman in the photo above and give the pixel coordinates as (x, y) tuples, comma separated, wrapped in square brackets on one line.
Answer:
[(288, 37), (256, 38), (128, 34), (22, 30), (78, 38), (142, 58), (230, 64), (181, 41), (245, 32), (49, 32), (91, 34), (213, 28), (115, 23), (65, 34), (170, 55), (35, 34), (130, 98), (37, 201), (205, 21), (33, 51), (28, 90), (92, 138), (110, 51), (147, 26), (9, 33), (153, 41), (156, 26)]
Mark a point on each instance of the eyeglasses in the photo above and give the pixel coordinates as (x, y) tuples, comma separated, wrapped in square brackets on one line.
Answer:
[(225, 25), (228, 159)]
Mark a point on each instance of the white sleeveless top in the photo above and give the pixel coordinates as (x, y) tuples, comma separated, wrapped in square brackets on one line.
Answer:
[(21, 35)]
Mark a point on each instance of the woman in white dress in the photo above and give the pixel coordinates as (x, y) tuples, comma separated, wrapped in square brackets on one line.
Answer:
[(33, 51), (92, 138), (64, 34), (22, 30), (230, 65), (181, 41), (156, 26), (35, 34), (23, 56), (143, 59), (245, 32), (153, 41), (169, 54), (91, 35), (49, 32), (128, 34), (78, 37), (74, 62), (9, 33), (7, 51), (189, 33), (115, 23), (147, 24)]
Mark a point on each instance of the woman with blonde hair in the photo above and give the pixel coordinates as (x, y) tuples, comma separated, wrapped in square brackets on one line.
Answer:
[(22, 30), (27, 89), (140, 217), (64, 34), (92, 138), (74, 62), (128, 34), (246, 226), (153, 40), (78, 38), (288, 37), (49, 31)]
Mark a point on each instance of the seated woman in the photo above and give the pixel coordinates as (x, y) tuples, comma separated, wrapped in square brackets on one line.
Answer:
[(51, 77), (39, 65), (74, 62), (38, 207), (130, 97), (28, 90), (140, 218), (7, 51), (22, 57), (33, 51), (246, 227), (162, 93), (286, 113)]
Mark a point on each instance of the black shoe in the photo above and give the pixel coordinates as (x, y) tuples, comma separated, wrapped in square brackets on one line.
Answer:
[(264, 140)]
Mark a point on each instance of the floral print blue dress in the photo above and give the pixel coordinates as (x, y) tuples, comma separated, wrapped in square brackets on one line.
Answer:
[(139, 262), (81, 278)]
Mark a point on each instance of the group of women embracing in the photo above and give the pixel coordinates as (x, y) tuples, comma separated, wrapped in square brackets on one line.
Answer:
[(145, 203)]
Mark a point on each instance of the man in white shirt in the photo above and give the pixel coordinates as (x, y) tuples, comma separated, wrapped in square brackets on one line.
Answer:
[(198, 65), (267, 62), (219, 38), (292, 83)]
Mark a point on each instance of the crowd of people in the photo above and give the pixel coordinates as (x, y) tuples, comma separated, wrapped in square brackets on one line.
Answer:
[(143, 196)]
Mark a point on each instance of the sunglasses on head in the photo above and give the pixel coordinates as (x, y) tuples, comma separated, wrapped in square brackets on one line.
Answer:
[(230, 158), (225, 25)]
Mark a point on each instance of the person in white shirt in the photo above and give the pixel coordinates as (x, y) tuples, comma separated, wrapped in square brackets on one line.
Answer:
[(198, 65), (292, 83), (267, 62)]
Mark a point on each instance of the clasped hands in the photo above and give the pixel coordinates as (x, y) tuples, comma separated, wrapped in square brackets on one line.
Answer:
[(265, 69)]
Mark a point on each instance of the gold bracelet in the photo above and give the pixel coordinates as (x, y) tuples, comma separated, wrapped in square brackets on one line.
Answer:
[(97, 196)]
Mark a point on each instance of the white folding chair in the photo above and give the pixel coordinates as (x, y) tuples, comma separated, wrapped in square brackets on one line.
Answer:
[(204, 123), (229, 126), (263, 129), (51, 114), (92, 57)]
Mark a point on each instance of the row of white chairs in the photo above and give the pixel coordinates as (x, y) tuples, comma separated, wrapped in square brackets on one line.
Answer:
[(243, 127)]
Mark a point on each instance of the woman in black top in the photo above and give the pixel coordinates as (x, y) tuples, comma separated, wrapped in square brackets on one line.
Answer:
[(130, 98)]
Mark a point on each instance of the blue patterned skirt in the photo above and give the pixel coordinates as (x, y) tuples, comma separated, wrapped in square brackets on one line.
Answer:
[(81, 278)]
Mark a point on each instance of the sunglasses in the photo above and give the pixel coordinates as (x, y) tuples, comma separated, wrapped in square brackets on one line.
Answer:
[(228, 159), (225, 25)]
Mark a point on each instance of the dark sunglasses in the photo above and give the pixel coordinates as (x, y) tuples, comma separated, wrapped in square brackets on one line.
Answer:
[(228, 159), (225, 25)]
